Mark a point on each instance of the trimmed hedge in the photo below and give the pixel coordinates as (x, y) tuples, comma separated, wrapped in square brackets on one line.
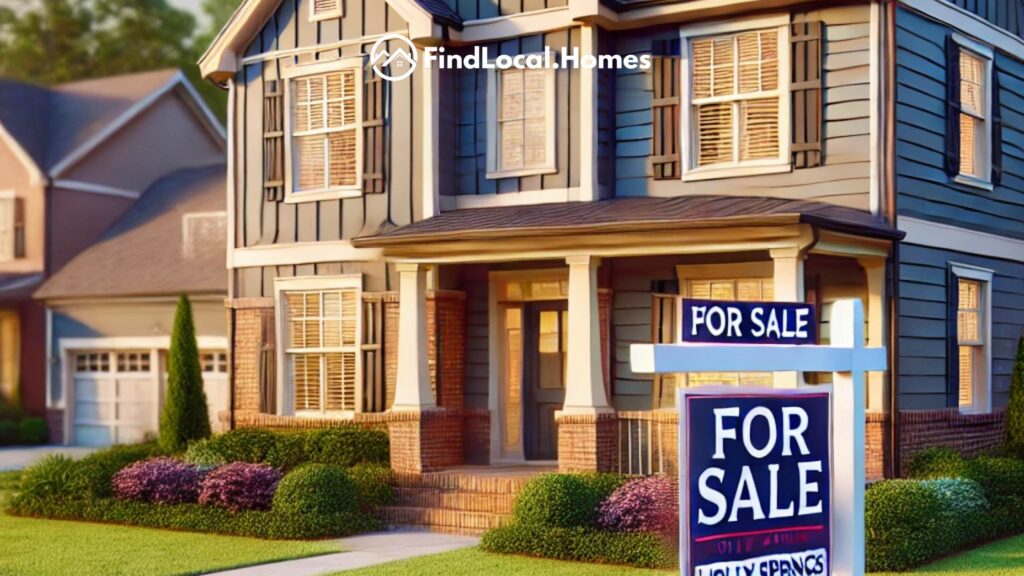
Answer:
[(94, 474), (564, 500), (372, 486), (939, 462), (33, 431), (345, 447), (314, 490), (581, 544), (271, 524)]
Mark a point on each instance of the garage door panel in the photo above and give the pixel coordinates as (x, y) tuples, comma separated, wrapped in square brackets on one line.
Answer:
[(87, 435), (136, 390), (94, 388), (140, 413), (95, 412)]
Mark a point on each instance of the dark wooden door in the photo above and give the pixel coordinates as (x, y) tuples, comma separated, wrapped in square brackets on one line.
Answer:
[(546, 328)]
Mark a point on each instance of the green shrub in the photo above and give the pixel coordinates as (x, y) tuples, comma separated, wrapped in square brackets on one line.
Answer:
[(267, 524), (94, 473), (316, 489), (1015, 408), (49, 479), (347, 446), (185, 416), (287, 452), (204, 453), (939, 462), (999, 477), (563, 500), (9, 433), (580, 544), (33, 431), (244, 445), (908, 522), (372, 487)]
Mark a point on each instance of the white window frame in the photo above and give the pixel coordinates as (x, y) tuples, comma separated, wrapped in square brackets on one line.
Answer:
[(986, 55), (288, 75), (687, 132), (494, 169), (285, 387), (326, 15), (982, 379)]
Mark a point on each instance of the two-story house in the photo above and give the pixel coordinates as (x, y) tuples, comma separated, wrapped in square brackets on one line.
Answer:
[(73, 158), (466, 255)]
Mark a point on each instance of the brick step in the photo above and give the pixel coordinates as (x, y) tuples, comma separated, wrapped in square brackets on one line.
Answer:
[(454, 500), (467, 482), (441, 519)]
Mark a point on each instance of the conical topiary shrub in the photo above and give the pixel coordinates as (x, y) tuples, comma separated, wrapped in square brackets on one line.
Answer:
[(185, 416), (1015, 409)]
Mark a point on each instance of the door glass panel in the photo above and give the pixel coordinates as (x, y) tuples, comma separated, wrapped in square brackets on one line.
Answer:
[(550, 351)]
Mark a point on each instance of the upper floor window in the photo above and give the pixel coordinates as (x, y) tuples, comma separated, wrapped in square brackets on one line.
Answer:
[(969, 150), (324, 131), (12, 227), (521, 109), (970, 308), (321, 344), (736, 115), (324, 9)]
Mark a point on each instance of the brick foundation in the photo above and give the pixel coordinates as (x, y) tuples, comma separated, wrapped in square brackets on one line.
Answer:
[(876, 444), (425, 441), (55, 425), (969, 434), (587, 443)]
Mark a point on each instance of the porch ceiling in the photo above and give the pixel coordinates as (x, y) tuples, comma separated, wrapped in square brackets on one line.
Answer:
[(624, 225)]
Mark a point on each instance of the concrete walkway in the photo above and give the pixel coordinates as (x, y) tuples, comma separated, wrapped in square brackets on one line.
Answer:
[(20, 457), (365, 550)]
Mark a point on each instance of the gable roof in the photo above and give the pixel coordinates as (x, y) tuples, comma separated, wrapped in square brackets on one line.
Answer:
[(57, 123), (144, 252), (220, 61)]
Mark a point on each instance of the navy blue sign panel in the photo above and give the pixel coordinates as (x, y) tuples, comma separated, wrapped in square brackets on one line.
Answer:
[(757, 483), (728, 322)]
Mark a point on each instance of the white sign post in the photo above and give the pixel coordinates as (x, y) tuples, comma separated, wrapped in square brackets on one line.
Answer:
[(848, 359)]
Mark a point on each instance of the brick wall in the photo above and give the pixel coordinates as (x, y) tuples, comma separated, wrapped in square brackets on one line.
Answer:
[(588, 442), (253, 333), (876, 434), (55, 425), (425, 441), (476, 436), (969, 434), (447, 310)]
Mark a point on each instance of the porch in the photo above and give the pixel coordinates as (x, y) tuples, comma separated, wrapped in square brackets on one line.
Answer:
[(553, 296)]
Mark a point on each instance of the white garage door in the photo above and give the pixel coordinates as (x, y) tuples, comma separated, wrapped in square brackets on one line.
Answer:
[(116, 397)]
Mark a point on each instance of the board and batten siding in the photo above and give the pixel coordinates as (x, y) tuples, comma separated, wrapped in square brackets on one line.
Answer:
[(471, 131), (922, 325), (925, 190), (261, 221), (845, 176), (258, 281)]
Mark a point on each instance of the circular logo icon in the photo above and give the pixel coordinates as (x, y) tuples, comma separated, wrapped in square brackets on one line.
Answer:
[(393, 57)]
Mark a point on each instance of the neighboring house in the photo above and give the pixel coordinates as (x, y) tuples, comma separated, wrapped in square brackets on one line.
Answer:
[(73, 158), (112, 310), (467, 255)]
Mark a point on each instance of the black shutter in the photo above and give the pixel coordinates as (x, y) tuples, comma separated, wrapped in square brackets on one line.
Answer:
[(273, 140), (952, 340), (806, 93), (997, 130), (952, 107), (665, 109), (374, 133)]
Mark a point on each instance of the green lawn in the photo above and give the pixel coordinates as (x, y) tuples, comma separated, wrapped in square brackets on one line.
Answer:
[(473, 562), (1002, 558), (33, 547)]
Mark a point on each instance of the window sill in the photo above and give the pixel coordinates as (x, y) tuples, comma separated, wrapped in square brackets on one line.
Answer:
[(738, 171), (973, 182), (497, 174), (318, 195), (342, 415)]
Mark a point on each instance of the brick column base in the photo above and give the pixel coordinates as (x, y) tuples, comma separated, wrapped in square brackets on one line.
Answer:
[(587, 443), (55, 425), (425, 441)]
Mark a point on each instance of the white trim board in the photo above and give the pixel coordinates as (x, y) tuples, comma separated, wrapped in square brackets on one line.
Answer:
[(526, 198), (983, 397), (957, 239), (301, 253), (133, 342), (91, 188)]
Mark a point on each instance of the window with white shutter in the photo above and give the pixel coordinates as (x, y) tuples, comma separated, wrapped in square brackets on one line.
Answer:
[(522, 124), (737, 119), (325, 134), (324, 9)]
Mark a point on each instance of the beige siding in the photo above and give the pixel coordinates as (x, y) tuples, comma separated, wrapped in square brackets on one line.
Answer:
[(15, 176)]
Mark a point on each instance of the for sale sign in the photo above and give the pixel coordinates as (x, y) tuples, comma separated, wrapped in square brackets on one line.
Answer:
[(728, 322), (756, 490)]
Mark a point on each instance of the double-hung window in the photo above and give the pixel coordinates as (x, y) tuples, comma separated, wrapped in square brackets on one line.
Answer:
[(973, 310), (975, 124), (320, 331), (12, 227), (324, 130), (736, 92), (521, 107)]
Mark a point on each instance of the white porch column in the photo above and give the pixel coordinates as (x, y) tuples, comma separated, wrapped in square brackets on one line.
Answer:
[(412, 388), (584, 390), (789, 287), (874, 269)]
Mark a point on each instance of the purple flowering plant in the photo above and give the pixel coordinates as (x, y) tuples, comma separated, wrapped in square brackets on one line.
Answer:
[(159, 480), (240, 486), (643, 505)]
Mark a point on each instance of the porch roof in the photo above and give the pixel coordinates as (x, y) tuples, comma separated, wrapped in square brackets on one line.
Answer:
[(629, 215)]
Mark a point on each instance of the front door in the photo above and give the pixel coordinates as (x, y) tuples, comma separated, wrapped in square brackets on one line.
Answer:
[(546, 329)]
